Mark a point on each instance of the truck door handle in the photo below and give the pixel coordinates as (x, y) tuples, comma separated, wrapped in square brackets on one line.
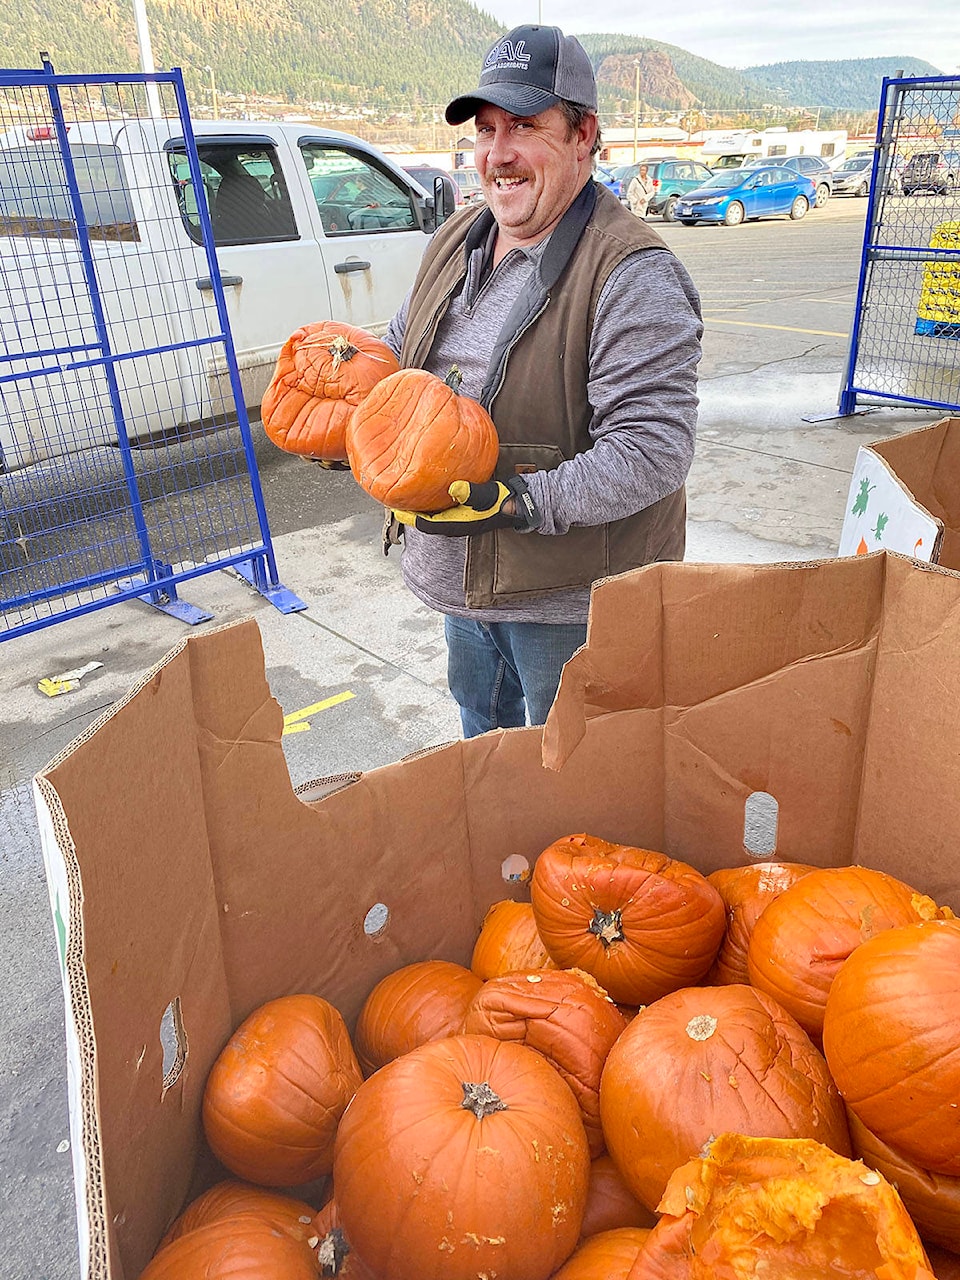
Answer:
[(341, 268), (205, 283)]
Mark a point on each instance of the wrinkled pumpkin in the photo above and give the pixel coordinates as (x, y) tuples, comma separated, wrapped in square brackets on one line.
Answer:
[(639, 922), (508, 941), (413, 435), (243, 1247), (746, 891), (607, 1256), (780, 1207), (931, 1199), (564, 1016), (708, 1060), (804, 935), (323, 372), (420, 1002), (610, 1202), (275, 1095), (891, 1035), (465, 1157), (228, 1199)]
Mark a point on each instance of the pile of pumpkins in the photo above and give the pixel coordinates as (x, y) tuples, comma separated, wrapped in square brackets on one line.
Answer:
[(338, 395), (646, 1074)]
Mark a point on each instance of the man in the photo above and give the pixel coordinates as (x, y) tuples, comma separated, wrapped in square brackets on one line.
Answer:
[(639, 192), (579, 331)]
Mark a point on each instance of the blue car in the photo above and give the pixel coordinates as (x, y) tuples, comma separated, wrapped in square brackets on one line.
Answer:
[(736, 195)]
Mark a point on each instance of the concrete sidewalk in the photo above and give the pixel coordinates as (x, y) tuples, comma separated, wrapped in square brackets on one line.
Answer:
[(363, 667)]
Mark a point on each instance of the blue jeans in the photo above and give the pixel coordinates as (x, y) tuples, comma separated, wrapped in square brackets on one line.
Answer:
[(502, 673)]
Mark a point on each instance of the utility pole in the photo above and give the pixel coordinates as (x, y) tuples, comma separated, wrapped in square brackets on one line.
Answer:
[(214, 104), (636, 109), (147, 64)]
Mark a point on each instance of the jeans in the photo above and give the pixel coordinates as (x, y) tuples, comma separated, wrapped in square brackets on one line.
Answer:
[(502, 673)]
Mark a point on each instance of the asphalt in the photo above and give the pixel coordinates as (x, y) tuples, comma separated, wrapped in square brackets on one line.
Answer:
[(766, 485)]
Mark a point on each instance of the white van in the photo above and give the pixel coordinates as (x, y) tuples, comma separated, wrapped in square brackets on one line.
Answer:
[(308, 224)]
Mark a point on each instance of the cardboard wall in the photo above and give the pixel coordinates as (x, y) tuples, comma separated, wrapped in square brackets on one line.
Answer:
[(927, 462), (201, 875)]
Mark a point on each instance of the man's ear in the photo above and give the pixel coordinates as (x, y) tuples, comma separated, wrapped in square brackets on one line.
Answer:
[(587, 136)]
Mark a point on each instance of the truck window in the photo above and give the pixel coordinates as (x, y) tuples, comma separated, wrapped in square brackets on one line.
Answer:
[(353, 195), (35, 197), (243, 188)]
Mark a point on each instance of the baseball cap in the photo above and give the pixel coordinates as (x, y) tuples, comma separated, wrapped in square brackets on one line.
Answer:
[(527, 71)]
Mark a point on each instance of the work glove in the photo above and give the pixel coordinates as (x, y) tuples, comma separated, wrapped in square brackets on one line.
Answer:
[(329, 466), (479, 508)]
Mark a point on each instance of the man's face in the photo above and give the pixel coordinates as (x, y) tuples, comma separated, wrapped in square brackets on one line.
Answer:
[(531, 168)]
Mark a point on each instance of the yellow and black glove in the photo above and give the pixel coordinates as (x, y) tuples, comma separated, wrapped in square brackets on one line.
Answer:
[(325, 464), (479, 508)]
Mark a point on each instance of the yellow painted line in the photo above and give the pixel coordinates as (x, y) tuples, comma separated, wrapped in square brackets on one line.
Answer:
[(782, 328), (296, 721)]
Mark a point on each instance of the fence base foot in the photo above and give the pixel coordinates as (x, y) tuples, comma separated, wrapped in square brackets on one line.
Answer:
[(281, 597), (836, 415), (167, 601)]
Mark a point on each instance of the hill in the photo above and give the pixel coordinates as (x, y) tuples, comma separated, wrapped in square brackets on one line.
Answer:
[(391, 54), (846, 84)]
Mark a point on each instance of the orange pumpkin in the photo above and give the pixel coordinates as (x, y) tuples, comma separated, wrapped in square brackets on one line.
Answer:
[(779, 1207), (746, 891), (945, 1264), (508, 941), (804, 935), (708, 1060), (420, 1002), (323, 372), (607, 1256), (414, 435), (568, 1020), (276, 1093), (244, 1247), (639, 922), (335, 1254), (228, 1199), (931, 1199), (610, 1202), (891, 1035), (465, 1157)]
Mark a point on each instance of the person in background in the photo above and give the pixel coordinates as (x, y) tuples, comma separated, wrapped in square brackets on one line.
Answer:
[(639, 192), (579, 331)]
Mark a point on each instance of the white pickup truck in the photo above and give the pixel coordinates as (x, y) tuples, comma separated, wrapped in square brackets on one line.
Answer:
[(308, 225)]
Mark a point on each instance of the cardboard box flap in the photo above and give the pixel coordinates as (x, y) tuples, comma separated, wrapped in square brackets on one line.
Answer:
[(927, 463)]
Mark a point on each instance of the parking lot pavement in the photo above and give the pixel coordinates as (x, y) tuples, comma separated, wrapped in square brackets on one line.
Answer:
[(766, 485)]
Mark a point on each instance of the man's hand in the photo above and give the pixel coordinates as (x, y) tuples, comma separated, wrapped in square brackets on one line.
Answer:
[(480, 507)]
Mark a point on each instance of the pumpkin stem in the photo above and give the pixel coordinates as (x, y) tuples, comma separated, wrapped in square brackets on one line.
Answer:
[(332, 1252), (341, 350), (607, 925), (481, 1100), (701, 1027), (454, 379)]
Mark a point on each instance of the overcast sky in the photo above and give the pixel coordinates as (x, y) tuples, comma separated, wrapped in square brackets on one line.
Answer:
[(753, 32)]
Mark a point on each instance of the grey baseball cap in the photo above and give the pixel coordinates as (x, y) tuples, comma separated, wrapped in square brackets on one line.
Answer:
[(527, 71)]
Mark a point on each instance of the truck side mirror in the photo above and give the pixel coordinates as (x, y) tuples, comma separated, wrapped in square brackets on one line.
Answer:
[(441, 202)]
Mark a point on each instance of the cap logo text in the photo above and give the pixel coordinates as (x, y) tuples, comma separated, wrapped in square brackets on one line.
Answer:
[(508, 54)]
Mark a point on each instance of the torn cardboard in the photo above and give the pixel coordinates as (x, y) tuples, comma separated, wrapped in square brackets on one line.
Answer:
[(905, 496), (188, 873)]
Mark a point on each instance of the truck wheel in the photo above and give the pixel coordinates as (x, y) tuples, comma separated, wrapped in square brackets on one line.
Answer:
[(734, 215), (668, 214)]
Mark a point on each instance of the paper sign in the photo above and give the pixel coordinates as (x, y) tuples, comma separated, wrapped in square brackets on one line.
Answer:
[(881, 515)]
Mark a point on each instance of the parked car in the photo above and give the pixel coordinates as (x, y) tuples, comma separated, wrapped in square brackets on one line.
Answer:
[(852, 177), (817, 170), (468, 180), (427, 176), (671, 179), (936, 171), (737, 195), (625, 173), (606, 176)]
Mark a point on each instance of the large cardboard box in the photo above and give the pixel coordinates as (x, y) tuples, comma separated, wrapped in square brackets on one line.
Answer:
[(190, 882), (905, 496)]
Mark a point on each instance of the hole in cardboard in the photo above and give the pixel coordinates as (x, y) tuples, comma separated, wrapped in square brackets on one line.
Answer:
[(173, 1042), (761, 814), (375, 921), (515, 869)]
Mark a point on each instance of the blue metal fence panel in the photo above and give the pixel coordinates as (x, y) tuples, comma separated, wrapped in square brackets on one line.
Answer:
[(904, 346), (126, 460)]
